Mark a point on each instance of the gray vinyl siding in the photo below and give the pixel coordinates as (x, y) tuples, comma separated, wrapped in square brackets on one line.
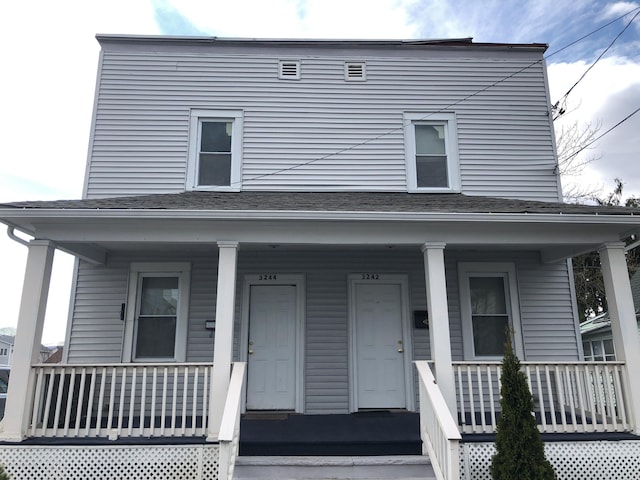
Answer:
[(97, 332), (322, 132)]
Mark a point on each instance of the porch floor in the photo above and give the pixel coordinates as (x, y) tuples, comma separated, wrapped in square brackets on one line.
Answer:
[(363, 433)]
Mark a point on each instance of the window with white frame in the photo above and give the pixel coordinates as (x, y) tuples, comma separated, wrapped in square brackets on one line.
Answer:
[(156, 323), (599, 350), (215, 150), (431, 152), (488, 305)]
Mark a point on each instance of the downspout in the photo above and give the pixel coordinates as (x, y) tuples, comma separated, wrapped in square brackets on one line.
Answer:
[(13, 236)]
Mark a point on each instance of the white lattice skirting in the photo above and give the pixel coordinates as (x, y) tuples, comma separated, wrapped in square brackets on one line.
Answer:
[(570, 460), (126, 462)]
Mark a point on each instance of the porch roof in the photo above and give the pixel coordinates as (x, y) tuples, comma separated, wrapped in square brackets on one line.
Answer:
[(387, 202), (90, 227)]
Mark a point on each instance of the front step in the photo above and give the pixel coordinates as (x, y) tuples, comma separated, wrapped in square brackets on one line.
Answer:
[(396, 467)]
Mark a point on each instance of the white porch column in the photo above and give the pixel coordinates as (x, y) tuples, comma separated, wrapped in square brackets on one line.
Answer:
[(223, 343), (439, 321), (28, 339), (623, 320)]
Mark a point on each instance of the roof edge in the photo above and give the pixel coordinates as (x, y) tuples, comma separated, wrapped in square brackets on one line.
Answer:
[(337, 42)]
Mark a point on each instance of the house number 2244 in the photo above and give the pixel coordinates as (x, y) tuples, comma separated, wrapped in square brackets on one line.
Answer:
[(267, 277)]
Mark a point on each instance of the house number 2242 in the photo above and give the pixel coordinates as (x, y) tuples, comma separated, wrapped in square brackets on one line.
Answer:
[(370, 276)]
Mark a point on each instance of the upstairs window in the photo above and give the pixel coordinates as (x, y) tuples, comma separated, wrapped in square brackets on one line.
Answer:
[(431, 150), (215, 150)]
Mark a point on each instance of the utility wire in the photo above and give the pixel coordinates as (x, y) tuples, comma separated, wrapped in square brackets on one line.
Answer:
[(561, 109), (602, 135), (443, 109)]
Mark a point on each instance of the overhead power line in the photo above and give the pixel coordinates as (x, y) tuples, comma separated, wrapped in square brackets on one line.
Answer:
[(561, 109), (587, 145)]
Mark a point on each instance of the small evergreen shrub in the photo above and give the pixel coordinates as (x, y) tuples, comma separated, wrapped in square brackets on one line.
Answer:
[(3, 475), (519, 448)]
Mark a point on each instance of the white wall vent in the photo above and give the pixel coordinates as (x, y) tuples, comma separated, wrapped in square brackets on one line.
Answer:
[(289, 69), (355, 71)]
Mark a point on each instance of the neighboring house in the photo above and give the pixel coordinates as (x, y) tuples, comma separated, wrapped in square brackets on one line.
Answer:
[(597, 338), (6, 350), (326, 213)]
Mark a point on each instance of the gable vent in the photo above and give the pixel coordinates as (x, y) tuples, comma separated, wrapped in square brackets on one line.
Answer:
[(355, 71), (289, 70)]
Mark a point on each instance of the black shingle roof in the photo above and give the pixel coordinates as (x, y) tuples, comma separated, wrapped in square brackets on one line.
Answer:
[(324, 202)]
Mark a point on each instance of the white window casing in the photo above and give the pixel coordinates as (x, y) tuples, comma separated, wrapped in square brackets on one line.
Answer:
[(231, 121), (444, 159), (181, 271), (476, 272)]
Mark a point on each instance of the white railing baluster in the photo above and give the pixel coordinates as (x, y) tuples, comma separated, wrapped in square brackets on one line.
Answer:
[(38, 393), (185, 388), (81, 400), (621, 408), (112, 399), (154, 385), (472, 409), (70, 394), (461, 408), (163, 408), (143, 400), (90, 400), (551, 402), (176, 373), (194, 403), (481, 398), (123, 391), (492, 405), (132, 400)]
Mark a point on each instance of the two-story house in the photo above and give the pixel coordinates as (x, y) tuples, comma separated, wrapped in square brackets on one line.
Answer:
[(325, 213)]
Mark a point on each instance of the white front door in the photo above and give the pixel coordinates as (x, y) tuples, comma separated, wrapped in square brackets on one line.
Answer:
[(271, 370), (380, 359)]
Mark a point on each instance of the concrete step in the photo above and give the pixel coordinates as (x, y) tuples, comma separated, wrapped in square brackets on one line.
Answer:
[(396, 467)]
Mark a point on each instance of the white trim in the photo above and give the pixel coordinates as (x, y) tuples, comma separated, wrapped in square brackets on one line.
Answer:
[(448, 121), (183, 271), (196, 116), (276, 278), (448, 217), (508, 272), (407, 340)]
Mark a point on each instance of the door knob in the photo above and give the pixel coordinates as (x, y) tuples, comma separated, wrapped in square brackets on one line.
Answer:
[(250, 352), (400, 350)]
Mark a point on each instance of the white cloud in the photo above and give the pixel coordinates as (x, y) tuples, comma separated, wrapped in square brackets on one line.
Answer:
[(300, 19)]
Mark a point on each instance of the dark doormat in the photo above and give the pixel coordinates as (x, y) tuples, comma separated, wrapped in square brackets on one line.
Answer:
[(363, 433)]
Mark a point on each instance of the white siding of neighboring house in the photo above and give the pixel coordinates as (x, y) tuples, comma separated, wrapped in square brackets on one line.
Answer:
[(348, 133), (97, 332)]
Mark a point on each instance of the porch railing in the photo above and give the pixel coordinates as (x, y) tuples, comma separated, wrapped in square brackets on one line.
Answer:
[(438, 429), (120, 400), (229, 435), (568, 397)]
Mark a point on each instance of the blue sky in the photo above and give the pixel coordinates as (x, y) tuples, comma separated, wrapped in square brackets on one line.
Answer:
[(49, 59)]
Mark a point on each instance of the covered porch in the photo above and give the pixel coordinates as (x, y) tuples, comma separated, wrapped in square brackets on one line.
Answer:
[(330, 262)]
